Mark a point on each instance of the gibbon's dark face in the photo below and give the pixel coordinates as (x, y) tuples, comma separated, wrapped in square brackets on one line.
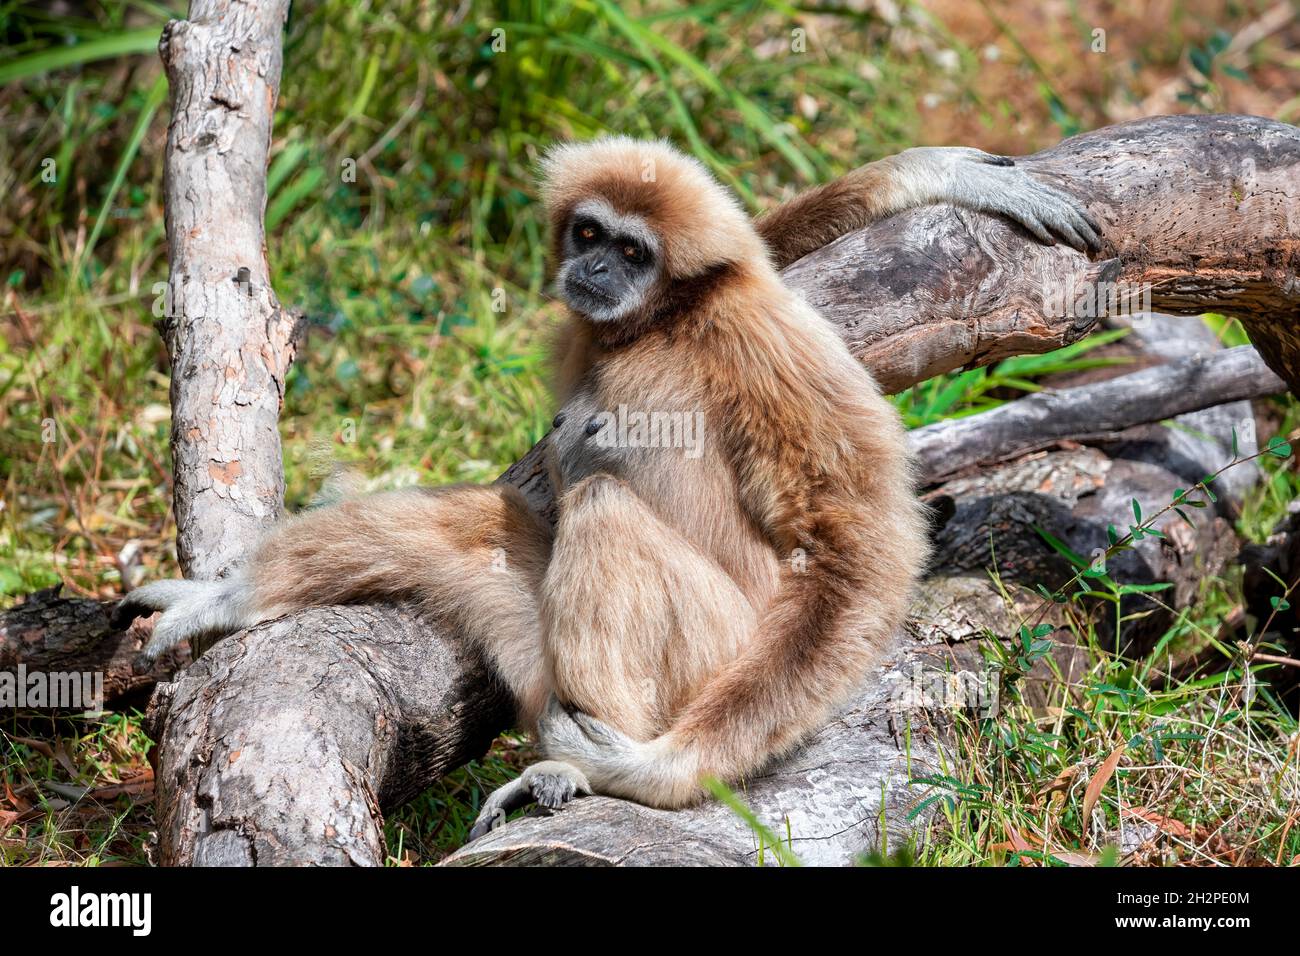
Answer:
[(610, 264)]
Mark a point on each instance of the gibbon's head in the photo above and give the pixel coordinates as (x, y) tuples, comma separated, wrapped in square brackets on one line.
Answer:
[(631, 219)]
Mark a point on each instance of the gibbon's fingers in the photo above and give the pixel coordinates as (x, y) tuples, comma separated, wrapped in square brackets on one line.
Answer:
[(977, 180), (1032, 203), (550, 784)]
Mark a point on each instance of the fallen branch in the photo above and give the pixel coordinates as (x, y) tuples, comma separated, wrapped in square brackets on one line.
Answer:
[(55, 634), (1203, 210), (1093, 412)]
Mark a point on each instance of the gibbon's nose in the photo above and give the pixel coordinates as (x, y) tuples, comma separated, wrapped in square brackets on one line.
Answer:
[(597, 266)]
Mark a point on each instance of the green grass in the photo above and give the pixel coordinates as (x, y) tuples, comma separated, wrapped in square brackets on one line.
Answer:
[(423, 284)]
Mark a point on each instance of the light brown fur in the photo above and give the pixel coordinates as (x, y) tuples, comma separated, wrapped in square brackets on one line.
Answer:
[(809, 454)]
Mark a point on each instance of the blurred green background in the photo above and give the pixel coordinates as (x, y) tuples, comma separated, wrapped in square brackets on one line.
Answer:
[(409, 373)]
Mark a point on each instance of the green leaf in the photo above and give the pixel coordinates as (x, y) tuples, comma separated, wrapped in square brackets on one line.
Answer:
[(1137, 511), (143, 40), (1201, 60), (1278, 446)]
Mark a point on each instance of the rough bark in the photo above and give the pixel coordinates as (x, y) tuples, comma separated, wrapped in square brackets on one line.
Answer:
[(282, 744), (230, 342), (356, 698)]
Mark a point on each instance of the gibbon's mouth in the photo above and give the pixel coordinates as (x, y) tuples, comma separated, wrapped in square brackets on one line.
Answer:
[(589, 288)]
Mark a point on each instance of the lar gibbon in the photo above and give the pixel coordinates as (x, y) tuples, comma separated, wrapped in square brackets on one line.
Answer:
[(694, 612)]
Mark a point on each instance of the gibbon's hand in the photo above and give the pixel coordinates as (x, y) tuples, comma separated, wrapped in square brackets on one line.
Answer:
[(190, 609), (981, 181), (550, 784)]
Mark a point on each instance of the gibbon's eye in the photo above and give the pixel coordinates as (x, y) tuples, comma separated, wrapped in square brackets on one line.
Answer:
[(586, 231), (633, 253)]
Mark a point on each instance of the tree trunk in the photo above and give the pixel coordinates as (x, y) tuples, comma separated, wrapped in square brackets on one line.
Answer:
[(229, 340)]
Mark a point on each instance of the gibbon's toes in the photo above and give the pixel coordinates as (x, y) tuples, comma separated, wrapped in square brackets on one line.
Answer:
[(554, 783), (498, 806)]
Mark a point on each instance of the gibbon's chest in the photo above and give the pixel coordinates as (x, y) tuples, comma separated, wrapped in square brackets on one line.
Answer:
[(653, 439), (670, 452)]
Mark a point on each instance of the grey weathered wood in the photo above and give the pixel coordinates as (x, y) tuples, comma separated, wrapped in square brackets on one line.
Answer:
[(229, 340), (282, 744), (1094, 411), (1205, 209), (364, 697)]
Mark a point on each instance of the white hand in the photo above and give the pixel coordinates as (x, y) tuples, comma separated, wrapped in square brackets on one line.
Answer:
[(978, 180)]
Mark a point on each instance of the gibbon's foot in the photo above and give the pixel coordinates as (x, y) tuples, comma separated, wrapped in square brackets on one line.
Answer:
[(190, 609), (550, 784), (978, 180)]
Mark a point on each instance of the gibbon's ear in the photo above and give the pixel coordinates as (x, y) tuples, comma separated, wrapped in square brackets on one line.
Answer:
[(699, 223)]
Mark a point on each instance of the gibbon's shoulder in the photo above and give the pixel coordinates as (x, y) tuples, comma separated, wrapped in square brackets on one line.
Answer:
[(698, 221)]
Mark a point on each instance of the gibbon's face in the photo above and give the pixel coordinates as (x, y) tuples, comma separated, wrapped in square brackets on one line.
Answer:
[(611, 262)]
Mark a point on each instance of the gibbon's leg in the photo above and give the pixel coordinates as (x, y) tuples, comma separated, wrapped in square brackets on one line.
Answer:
[(970, 178), (636, 621), (472, 556)]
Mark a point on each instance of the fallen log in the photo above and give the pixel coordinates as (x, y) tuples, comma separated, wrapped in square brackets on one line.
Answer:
[(55, 634)]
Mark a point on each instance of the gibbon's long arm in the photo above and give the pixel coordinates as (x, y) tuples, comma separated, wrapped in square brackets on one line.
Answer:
[(965, 177)]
